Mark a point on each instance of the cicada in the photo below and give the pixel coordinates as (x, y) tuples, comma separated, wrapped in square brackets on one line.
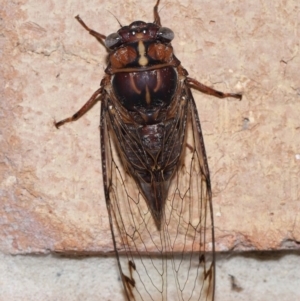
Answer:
[(155, 172)]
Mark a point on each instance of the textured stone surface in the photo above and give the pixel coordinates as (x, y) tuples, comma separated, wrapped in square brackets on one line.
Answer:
[(269, 277), (50, 181)]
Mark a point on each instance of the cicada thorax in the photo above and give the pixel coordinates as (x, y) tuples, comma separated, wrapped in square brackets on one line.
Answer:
[(149, 104)]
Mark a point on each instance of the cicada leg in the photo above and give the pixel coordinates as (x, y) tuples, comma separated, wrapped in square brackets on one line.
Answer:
[(156, 14), (192, 83), (87, 106), (99, 36)]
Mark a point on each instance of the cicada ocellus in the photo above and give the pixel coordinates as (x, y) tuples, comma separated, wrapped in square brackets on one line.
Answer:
[(155, 172)]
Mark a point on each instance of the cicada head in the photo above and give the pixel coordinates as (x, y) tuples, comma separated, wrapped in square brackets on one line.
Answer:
[(139, 31)]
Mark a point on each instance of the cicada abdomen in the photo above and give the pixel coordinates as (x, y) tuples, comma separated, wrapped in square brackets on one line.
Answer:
[(155, 172)]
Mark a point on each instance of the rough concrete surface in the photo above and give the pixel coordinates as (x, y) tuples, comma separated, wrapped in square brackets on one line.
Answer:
[(263, 277), (50, 180)]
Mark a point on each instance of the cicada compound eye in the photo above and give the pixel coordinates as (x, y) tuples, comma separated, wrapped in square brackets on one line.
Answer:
[(112, 40), (165, 34)]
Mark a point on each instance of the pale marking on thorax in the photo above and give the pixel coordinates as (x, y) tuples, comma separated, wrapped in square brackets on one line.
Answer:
[(143, 61), (158, 81), (148, 96), (133, 85)]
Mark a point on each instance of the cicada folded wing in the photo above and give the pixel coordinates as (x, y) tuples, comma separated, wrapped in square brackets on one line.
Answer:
[(173, 258)]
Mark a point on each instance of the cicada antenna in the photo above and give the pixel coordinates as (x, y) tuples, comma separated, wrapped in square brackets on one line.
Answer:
[(115, 18)]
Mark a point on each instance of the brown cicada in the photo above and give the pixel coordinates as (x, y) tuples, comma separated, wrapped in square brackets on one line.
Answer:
[(155, 171)]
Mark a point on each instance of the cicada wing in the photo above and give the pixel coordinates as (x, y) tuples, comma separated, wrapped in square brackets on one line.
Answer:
[(189, 217), (171, 263), (137, 242)]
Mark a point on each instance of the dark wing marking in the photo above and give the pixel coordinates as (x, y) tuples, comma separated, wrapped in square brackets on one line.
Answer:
[(171, 263)]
